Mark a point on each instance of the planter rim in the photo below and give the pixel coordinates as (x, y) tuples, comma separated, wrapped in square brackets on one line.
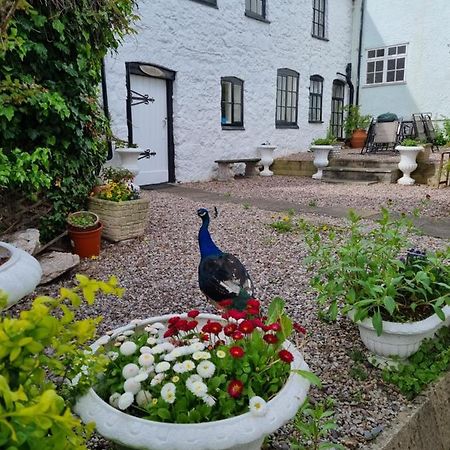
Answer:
[(259, 425), (424, 325), (322, 147), (128, 150), (267, 147), (409, 147), (13, 255)]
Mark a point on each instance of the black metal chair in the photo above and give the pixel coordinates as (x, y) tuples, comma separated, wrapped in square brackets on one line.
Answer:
[(425, 129)]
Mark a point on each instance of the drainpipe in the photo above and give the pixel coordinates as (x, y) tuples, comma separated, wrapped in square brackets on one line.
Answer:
[(358, 70), (105, 105)]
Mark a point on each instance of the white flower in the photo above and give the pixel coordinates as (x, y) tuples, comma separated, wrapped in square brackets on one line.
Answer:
[(197, 347), (128, 333), (179, 368), (257, 406), (209, 400), (201, 355), (145, 349), (132, 385), (141, 376), (175, 379), (75, 379), (157, 379), (143, 398), (163, 366), (192, 379), (151, 341), (125, 400), (168, 392), (146, 359), (112, 355), (130, 370), (151, 329), (128, 348), (159, 326), (121, 338), (198, 388), (188, 365), (206, 369), (221, 354), (114, 400), (167, 346), (157, 349)]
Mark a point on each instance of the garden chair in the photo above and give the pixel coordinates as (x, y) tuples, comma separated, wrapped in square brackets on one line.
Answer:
[(383, 136)]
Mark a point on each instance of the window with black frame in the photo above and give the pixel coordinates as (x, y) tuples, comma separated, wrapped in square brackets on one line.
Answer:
[(255, 9), (315, 98), (337, 108), (287, 98), (318, 25), (232, 103)]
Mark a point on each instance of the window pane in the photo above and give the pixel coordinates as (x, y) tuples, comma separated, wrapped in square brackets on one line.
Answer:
[(237, 93), (289, 115), (237, 113), (400, 75), (392, 50), (289, 99), (289, 83), (371, 54), (248, 5), (390, 76), (370, 78), (371, 67), (228, 113), (283, 83), (379, 65), (226, 91), (401, 49), (380, 52), (400, 63), (391, 64), (278, 113), (279, 81), (379, 77)]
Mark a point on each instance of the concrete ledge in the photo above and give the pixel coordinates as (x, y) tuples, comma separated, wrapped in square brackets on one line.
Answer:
[(424, 426)]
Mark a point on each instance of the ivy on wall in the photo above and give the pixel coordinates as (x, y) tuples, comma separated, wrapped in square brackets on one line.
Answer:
[(52, 128)]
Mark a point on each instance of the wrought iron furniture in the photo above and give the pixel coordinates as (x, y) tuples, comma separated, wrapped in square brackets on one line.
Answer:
[(382, 136), (425, 129)]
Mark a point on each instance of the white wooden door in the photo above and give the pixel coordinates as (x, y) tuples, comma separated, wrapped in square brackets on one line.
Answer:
[(150, 128)]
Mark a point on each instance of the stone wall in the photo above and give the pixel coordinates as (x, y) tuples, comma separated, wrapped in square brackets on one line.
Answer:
[(203, 44)]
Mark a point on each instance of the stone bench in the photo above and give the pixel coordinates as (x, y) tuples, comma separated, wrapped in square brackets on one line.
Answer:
[(226, 172)]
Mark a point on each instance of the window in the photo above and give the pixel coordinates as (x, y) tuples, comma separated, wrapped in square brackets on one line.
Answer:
[(315, 98), (337, 108), (386, 65), (318, 25), (232, 103), (287, 95), (255, 9), (207, 2)]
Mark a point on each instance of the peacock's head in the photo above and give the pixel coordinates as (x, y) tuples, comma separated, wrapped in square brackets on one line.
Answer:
[(202, 213)]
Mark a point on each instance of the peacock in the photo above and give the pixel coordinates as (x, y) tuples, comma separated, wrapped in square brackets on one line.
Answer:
[(221, 275)]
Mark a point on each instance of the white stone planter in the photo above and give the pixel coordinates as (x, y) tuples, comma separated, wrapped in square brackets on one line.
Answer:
[(266, 154), (244, 432), (320, 158), (20, 274), (407, 163), (129, 158), (400, 340)]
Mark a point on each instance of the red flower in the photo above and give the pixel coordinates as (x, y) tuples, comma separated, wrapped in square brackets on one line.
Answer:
[(181, 325), (286, 356), (173, 320), (226, 303), (270, 338), (252, 311), (191, 325), (237, 352), (253, 303), (204, 337), (299, 328), (236, 315), (229, 329), (246, 327), (193, 313), (207, 327), (170, 332), (215, 327), (235, 388), (258, 323), (237, 335), (275, 326)]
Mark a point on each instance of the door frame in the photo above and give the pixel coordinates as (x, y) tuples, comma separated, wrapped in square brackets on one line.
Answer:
[(337, 82), (154, 71)]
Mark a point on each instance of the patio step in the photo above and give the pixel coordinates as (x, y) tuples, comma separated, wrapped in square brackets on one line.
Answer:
[(366, 174), (366, 162)]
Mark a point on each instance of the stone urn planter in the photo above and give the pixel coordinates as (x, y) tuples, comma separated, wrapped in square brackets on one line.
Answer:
[(121, 220), (398, 340), (246, 431), (266, 154), (320, 158), (19, 274), (129, 158), (407, 163)]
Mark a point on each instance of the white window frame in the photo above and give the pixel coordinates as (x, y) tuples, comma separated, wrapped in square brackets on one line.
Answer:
[(381, 59)]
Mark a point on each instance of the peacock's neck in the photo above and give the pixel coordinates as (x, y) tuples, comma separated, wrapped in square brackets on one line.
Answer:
[(206, 244)]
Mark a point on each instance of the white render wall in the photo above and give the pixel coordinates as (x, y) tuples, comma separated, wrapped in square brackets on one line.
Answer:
[(203, 44), (424, 26)]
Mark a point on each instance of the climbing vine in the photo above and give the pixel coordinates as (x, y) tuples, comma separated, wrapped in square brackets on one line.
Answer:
[(53, 130)]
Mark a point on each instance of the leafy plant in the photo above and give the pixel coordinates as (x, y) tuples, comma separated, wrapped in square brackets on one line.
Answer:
[(314, 423), (117, 174), (355, 120), (329, 139), (364, 273), (82, 219), (423, 367), (286, 223), (45, 363), (411, 142)]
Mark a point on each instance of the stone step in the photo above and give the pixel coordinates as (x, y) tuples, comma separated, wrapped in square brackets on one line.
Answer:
[(383, 175), (342, 181), (369, 163)]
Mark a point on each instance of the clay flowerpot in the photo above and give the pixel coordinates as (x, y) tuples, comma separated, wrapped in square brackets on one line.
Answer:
[(20, 273), (358, 138), (245, 431), (86, 243)]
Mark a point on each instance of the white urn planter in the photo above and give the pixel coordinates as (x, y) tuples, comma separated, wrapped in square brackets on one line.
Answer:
[(407, 163), (398, 340), (320, 158), (243, 432), (20, 274), (266, 154), (129, 158)]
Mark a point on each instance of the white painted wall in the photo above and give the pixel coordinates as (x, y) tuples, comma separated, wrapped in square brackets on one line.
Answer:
[(424, 25), (203, 44)]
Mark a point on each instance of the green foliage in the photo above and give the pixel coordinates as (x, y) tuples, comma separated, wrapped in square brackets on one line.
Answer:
[(286, 223), (314, 423), (118, 186), (423, 367), (329, 139), (44, 364), (411, 142), (443, 134), (355, 120), (362, 271), (82, 219), (53, 129)]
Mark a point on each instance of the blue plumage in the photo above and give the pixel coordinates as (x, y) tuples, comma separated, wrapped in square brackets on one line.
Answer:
[(221, 275)]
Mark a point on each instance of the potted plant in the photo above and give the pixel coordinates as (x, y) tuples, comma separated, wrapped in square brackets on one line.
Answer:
[(198, 381), (409, 149), (355, 126), (85, 231), (321, 148), (123, 213), (398, 297)]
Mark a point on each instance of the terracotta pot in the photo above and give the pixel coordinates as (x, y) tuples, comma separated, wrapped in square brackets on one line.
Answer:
[(358, 139), (86, 243)]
